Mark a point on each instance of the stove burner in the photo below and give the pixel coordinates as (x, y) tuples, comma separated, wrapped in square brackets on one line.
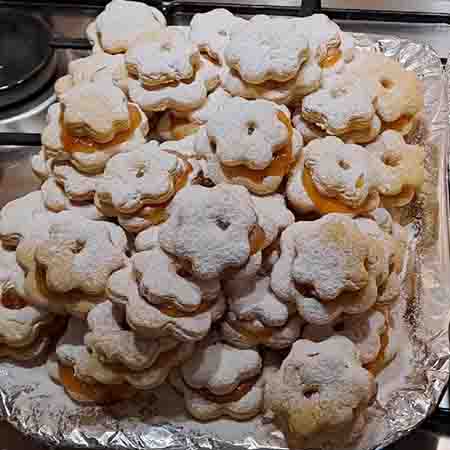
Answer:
[(26, 57)]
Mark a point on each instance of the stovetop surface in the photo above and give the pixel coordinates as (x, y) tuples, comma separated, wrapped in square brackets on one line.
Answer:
[(67, 22)]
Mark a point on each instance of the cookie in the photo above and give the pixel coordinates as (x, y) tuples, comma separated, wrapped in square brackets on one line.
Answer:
[(98, 66), (401, 171), (123, 21), (327, 267), (267, 49), (332, 176), (25, 332), (84, 154), (17, 216), (241, 147), (68, 263), (364, 331), (155, 321), (211, 230), (399, 93), (321, 394), (178, 125), (223, 381), (324, 38), (144, 176), (171, 288), (168, 57), (340, 107), (211, 31), (114, 344), (257, 317), (97, 110)]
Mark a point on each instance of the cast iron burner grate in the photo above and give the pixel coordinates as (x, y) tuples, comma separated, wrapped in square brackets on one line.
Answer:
[(27, 61)]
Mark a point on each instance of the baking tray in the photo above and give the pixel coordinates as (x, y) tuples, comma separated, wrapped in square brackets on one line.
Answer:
[(34, 405)]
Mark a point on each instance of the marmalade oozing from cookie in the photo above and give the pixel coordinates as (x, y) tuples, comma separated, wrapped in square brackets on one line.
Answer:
[(323, 204), (172, 311), (279, 167), (333, 56), (74, 144), (98, 393)]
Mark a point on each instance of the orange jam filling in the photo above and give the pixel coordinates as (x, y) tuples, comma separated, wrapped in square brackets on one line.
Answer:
[(382, 361), (97, 392), (253, 335), (11, 300), (172, 311), (181, 127), (256, 239), (323, 204), (333, 56), (243, 389), (398, 124), (280, 165), (84, 144)]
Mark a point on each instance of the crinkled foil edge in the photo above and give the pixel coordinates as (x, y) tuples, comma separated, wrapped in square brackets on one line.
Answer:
[(36, 408)]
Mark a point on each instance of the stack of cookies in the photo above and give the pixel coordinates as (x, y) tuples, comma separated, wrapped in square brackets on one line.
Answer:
[(249, 255)]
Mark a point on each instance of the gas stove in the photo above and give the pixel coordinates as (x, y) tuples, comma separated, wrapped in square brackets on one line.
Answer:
[(39, 39)]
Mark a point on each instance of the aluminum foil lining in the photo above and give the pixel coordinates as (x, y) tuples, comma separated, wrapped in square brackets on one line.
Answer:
[(409, 389)]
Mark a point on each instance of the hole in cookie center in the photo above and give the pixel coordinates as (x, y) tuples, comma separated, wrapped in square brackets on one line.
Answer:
[(339, 327), (222, 224), (78, 246), (311, 392), (343, 164), (251, 127), (222, 33), (359, 182), (140, 172), (391, 158), (386, 83), (213, 147)]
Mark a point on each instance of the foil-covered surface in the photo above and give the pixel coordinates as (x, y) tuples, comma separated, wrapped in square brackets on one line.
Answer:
[(409, 388)]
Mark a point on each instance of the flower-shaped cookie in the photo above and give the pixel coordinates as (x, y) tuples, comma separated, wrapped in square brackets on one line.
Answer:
[(340, 107), (211, 31), (123, 21), (211, 230), (18, 216), (267, 49), (144, 176), (256, 316), (332, 176), (222, 381), (178, 125), (25, 331), (324, 36), (85, 154), (177, 96), (69, 264), (239, 149), (321, 394), (98, 66), (400, 167), (365, 331), (327, 267), (86, 377), (290, 92), (399, 93), (97, 110), (158, 320), (113, 343), (160, 282), (167, 58), (248, 133)]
